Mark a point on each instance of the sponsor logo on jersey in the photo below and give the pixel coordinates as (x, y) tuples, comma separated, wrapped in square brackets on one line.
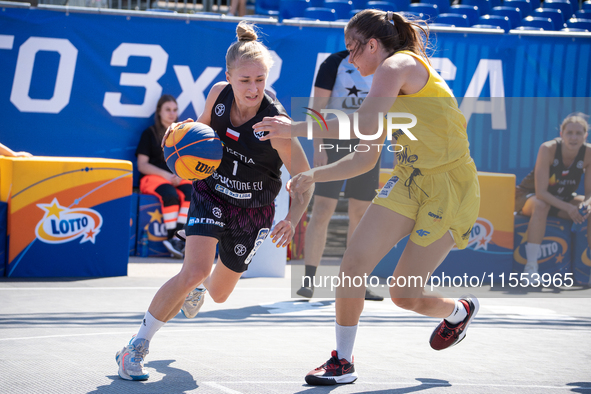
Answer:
[(217, 212), (61, 224), (220, 109), (422, 233), (436, 216), (405, 157), (258, 134), (385, 192), (262, 235), (240, 250), (193, 221), (580, 164), (238, 196)]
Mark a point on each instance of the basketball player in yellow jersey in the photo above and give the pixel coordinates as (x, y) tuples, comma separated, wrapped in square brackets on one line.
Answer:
[(433, 194)]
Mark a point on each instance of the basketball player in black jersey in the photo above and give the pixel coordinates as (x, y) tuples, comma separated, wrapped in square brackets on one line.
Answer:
[(234, 207), (550, 188)]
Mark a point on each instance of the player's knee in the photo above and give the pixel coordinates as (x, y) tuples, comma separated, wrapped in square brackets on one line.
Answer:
[(541, 206), (218, 296), (352, 264), (194, 276), (409, 304)]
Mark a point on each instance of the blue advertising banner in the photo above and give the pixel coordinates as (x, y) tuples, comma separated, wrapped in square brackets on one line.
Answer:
[(86, 84)]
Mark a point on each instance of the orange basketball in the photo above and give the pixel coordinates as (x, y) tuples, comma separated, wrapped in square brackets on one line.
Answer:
[(193, 151)]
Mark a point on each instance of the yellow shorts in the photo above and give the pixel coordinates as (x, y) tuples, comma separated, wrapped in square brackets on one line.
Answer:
[(442, 199)]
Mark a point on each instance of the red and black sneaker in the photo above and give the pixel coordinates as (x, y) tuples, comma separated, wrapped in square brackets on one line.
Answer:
[(446, 334), (332, 372)]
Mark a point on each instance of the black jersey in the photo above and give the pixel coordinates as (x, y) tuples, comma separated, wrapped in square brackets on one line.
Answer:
[(149, 145), (249, 175), (564, 181)]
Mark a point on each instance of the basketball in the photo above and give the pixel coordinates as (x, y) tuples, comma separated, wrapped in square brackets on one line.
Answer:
[(193, 151)]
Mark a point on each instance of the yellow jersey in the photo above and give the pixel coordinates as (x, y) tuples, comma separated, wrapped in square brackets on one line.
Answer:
[(442, 141)]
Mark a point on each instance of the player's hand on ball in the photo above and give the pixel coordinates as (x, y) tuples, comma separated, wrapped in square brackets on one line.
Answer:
[(172, 127), (282, 233), (276, 126), (300, 183)]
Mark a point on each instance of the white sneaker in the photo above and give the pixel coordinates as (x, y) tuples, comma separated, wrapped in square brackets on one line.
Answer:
[(193, 303), (530, 268), (131, 360)]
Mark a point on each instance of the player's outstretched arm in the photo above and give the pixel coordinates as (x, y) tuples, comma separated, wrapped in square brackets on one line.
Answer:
[(293, 157)]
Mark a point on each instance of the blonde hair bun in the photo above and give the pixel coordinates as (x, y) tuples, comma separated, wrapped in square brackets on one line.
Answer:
[(245, 32)]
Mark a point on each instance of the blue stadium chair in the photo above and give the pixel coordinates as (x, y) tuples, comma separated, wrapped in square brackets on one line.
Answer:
[(535, 4), (267, 7), (456, 20), (525, 6), (316, 3), (484, 6), (562, 5), (573, 30), (424, 11), (495, 3), (341, 7), (583, 14), (586, 5), (383, 5), (530, 28), (536, 21), (401, 4), (480, 26), (301, 18), (292, 8), (495, 20), (352, 13), (439, 25), (514, 14), (321, 13), (555, 15), (442, 5), (359, 4), (470, 11), (579, 24)]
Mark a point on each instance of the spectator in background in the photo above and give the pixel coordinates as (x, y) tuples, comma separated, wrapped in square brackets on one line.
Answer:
[(6, 151), (549, 190), (173, 192), (237, 8), (339, 79)]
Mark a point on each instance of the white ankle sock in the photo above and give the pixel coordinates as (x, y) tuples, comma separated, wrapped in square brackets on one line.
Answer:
[(345, 340), (458, 314), (150, 325), (531, 253)]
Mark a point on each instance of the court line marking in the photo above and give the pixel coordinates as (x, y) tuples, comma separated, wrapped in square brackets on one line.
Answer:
[(220, 387), (123, 288), (134, 328), (411, 383)]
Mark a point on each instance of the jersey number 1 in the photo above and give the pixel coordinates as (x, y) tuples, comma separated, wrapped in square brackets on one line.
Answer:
[(235, 167)]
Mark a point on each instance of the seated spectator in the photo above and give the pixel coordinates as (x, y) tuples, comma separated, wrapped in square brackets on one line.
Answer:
[(549, 190), (173, 192)]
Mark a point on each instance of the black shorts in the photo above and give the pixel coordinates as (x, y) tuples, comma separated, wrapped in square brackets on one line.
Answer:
[(239, 231), (362, 187)]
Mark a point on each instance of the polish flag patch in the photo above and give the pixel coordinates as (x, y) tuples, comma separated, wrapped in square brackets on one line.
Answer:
[(232, 134)]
